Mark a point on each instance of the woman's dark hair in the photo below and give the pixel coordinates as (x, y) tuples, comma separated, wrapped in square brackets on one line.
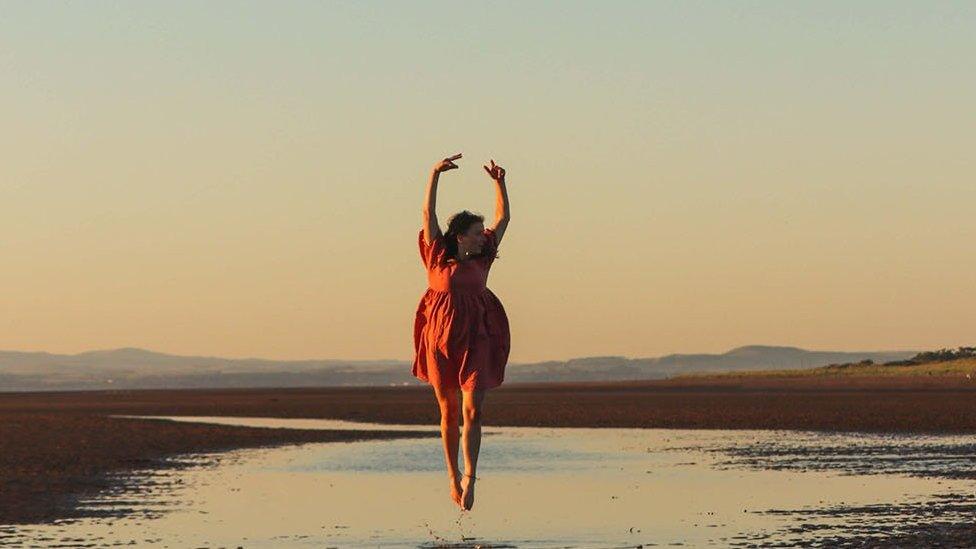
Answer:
[(459, 224)]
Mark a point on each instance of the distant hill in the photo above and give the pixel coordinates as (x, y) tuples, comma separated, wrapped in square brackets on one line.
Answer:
[(130, 368), (944, 362)]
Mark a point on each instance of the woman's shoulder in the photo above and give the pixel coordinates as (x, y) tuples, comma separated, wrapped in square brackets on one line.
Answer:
[(434, 238), (433, 253)]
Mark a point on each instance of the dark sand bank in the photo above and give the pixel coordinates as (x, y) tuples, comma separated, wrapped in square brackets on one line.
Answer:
[(48, 460), (55, 446), (888, 404)]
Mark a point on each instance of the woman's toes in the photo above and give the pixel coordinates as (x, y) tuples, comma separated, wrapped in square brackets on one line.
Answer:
[(456, 493), (468, 494)]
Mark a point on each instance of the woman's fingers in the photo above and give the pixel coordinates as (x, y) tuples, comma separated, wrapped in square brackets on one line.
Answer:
[(447, 163), (495, 171)]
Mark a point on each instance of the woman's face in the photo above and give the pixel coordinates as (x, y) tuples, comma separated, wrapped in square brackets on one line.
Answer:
[(473, 239)]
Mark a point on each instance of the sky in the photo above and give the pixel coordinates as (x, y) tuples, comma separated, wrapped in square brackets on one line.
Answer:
[(245, 179)]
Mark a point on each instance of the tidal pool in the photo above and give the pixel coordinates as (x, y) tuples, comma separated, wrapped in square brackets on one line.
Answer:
[(538, 487)]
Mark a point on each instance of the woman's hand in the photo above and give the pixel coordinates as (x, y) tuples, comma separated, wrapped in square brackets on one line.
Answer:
[(496, 172), (446, 164)]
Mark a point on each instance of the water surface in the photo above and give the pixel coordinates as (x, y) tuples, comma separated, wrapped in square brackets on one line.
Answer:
[(539, 487)]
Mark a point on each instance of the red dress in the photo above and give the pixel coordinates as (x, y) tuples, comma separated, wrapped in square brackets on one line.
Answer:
[(461, 337)]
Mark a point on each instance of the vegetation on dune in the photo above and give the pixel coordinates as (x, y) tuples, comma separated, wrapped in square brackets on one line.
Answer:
[(944, 362), (942, 355)]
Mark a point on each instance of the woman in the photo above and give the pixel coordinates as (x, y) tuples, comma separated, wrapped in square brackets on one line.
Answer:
[(461, 335)]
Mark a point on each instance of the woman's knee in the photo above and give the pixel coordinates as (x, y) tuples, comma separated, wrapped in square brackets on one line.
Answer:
[(450, 411), (472, 405), (472, 414)]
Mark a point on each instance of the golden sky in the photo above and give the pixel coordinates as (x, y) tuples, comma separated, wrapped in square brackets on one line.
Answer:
[(247, 179)]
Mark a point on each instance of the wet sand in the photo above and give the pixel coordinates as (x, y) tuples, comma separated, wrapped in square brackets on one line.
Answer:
[(49, 460), (55, 446), (882, 404)]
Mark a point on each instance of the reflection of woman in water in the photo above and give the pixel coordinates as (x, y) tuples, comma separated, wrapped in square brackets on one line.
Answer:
[(461, 335)]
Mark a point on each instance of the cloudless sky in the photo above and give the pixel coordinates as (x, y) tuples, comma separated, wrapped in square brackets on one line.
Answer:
[(246, 178)]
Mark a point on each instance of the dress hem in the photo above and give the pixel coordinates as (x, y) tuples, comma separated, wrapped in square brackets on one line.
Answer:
[(488, 387)]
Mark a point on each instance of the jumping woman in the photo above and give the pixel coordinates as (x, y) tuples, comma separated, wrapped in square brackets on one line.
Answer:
[(461, 335)]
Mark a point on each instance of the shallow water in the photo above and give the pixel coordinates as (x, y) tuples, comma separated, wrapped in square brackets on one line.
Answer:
[(538, 487)]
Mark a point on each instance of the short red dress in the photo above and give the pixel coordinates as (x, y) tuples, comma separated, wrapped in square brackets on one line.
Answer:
[(460, 334)]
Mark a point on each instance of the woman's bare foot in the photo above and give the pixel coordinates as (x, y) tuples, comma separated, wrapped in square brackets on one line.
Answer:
[(468, 493), (456, 491)]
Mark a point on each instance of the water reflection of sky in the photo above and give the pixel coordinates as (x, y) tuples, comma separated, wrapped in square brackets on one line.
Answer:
[(539, 487), (497, 454)]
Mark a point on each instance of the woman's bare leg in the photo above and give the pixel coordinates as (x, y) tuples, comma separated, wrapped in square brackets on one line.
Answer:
[(471, 407), (449, 403)]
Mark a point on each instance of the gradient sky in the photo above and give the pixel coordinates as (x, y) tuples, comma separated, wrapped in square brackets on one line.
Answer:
[(246, 179)]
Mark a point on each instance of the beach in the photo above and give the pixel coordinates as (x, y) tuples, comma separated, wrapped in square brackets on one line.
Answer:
[(56, 446), (49, 459), (886, 404)]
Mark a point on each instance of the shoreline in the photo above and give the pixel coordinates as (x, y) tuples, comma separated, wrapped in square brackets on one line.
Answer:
[(49, 461), (58, 446)]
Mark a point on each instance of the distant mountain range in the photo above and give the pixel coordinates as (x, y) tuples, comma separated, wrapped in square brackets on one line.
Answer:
[(131, 368)]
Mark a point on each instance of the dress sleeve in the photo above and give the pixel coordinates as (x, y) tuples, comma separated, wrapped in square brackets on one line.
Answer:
[(433, 254), (491, 247)]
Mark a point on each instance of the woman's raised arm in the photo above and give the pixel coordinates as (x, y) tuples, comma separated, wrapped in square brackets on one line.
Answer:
[(497, 174), (431, 229)]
